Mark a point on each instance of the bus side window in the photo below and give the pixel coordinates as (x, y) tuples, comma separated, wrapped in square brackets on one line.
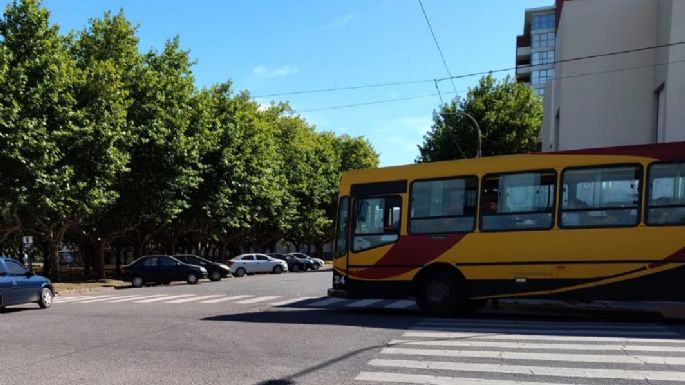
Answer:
[(518, 201), (606, 196), (666, 194), (376, 222)]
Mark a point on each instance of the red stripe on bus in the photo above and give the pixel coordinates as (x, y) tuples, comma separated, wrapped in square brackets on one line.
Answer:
[(662, 151), (416, 250), (677, 256)]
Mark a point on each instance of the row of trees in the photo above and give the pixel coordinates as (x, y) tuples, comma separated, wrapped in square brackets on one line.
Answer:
[(104, 144)]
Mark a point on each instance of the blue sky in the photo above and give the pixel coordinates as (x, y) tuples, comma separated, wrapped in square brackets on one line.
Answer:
[(276, 46)]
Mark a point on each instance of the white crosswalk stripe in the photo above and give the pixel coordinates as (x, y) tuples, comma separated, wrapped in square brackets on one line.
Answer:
[(326, 302), (73, 299), (98, 299), (159, 299), (133, 298), (260, 299), (363, 303), (193, 299), (291, 301), (246, 299), (485, 352), (401, 304), (225, 299)]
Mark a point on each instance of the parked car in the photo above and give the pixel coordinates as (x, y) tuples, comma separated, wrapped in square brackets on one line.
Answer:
[(19, 285), (256, 263), (294, 264), (314, 263), (215, 271), (161, 269)]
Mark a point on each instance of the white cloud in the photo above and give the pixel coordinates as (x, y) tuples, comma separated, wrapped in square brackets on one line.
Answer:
[(264, 72), (340, 22)]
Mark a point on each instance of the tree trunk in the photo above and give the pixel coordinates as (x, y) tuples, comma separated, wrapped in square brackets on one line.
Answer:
[(117, 262), (222, 251), (53, 257), (99, 262), (87, 260)]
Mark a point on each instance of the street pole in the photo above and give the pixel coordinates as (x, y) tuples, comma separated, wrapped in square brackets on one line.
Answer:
[(475, 123)]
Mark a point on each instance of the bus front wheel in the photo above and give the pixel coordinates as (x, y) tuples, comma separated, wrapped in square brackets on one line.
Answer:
[(440, 293)]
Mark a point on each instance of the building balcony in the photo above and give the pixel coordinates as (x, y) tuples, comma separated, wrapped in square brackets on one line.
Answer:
[(522, 52), (523, 70)]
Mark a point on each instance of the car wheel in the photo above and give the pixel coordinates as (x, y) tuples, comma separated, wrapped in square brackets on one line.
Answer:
[(215, 276), (295, 268), (192, 278), (315, 266), (240, 272), (137, 281), (278, 269), (45, 300), (441, 293)]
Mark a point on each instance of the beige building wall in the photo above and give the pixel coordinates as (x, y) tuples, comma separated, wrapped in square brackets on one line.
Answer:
[(613, 100)]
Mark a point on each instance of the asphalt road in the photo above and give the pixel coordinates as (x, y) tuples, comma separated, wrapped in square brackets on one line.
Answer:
[(280, 329)]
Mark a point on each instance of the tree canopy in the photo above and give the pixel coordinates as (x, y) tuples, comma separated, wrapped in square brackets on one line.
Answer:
[(104, 144), (509, 115)]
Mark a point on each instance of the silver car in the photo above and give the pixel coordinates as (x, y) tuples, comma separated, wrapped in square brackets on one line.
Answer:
[(256, 263)]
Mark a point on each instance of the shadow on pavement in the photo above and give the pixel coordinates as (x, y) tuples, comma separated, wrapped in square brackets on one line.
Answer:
[(366, 318), (289, 380)]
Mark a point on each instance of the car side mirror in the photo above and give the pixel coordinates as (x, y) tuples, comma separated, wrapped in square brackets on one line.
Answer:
[(30, 273)]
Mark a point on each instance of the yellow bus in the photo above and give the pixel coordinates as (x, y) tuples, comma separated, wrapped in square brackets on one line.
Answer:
[(595, 224)]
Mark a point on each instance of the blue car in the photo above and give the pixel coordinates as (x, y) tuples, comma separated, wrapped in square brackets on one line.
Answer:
[(18, 285)]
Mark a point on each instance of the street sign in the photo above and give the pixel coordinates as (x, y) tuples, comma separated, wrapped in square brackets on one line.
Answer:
[(27, 240)]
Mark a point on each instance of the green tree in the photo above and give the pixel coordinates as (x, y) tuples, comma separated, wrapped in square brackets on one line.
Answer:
[(164, 165), (106, 56), (509, 115), (65, 161)]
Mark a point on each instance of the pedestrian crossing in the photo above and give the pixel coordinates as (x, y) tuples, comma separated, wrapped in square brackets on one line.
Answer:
[(512, 352), (242, 299)]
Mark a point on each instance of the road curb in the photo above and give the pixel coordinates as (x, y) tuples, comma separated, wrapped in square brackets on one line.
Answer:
[(94, 290)]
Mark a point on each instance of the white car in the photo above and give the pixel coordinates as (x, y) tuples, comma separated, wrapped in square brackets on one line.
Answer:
[(256, 263)]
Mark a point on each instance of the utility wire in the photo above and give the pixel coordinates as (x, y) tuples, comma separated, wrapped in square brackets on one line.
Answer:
[(357, 87), (439, 94), (461, 76), (435, 39)]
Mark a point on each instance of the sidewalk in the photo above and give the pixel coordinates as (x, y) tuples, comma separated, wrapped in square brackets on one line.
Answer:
[(665, 310)]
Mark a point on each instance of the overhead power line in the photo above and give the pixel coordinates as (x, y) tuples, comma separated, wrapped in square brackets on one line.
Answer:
[(435, 39), (461, 76), (383, 101)]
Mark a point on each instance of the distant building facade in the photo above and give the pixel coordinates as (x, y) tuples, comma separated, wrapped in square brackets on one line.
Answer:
[(535, 48), (623, 99)]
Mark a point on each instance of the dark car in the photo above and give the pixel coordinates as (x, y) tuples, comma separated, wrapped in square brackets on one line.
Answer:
[(215, 271), (312, 263), (18, 285), (161, 269), (294, 264)]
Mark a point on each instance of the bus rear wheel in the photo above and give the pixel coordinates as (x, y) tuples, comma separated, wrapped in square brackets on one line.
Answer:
[(441, 293)]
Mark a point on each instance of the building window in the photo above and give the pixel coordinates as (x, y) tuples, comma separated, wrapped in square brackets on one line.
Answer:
[(666, 198), (601, 197), (543, 40), (443, 206), (542, 58), (541, 76), (539, 91), (520, 201), (545, 21)]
